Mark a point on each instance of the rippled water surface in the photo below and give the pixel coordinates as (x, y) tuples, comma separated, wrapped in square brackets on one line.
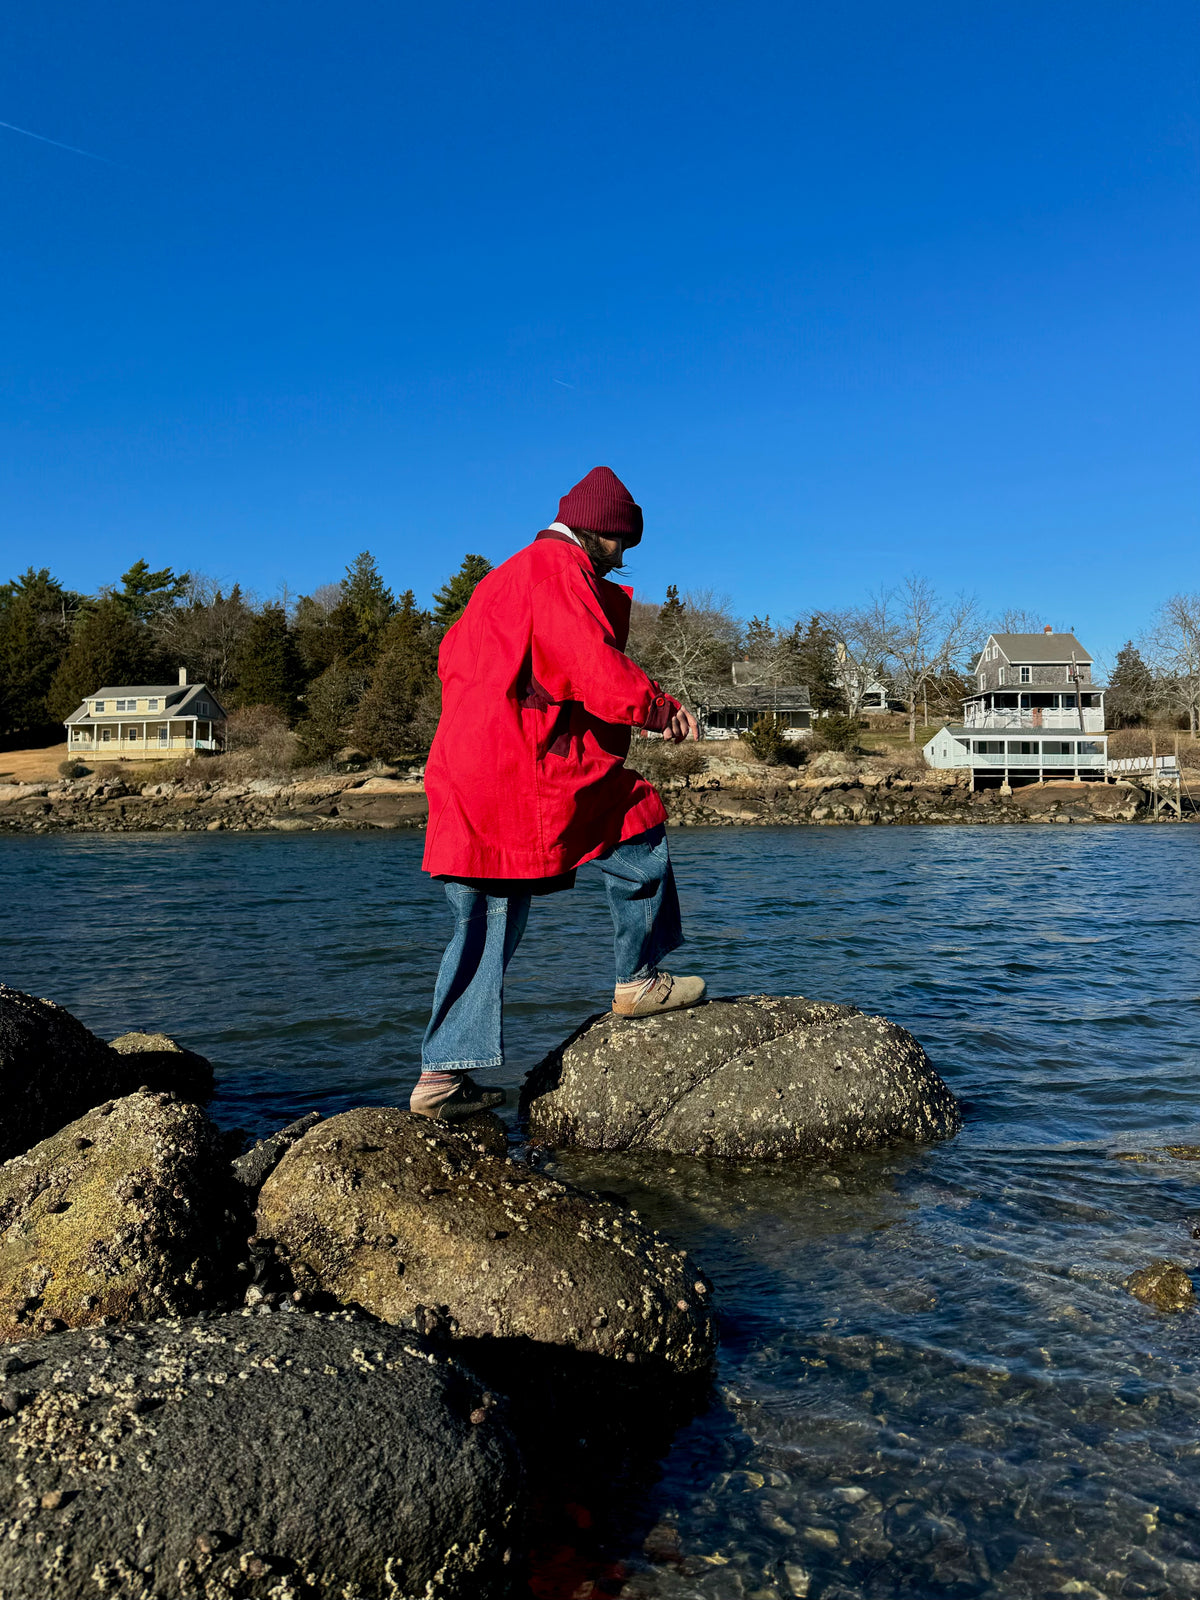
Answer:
[(932, 1382)]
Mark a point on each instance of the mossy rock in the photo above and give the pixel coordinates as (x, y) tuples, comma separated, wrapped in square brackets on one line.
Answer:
[(1164, 1284), (118, 1215), (394, 1213)]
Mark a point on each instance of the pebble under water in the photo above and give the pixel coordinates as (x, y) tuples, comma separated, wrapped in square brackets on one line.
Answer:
[(932, 1382)]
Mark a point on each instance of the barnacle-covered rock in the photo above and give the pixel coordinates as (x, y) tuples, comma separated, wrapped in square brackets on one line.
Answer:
[(766, 1076), (245, 1456), (394, 1213), (119, 1215)]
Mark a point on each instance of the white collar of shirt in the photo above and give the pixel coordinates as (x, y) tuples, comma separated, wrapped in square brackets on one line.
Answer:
[(561, 527)]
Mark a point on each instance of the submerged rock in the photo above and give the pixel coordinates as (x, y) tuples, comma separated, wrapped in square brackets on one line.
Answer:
[(52, 1069), (757, 1076), (286, 1455), (253, 1168), (1164, 1284), (118, 1215), (395, 1213)]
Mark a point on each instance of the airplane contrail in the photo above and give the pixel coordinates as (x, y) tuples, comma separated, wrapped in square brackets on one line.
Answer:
[(58, 144)]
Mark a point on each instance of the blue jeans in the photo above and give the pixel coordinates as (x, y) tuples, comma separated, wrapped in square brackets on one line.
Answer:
[(466, 1026)]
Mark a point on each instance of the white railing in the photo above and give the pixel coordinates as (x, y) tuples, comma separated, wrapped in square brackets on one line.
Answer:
[(998, 760), (1165, 766), (1093, 721)]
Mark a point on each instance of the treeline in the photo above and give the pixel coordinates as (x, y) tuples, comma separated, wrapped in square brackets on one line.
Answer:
[(350, 662)]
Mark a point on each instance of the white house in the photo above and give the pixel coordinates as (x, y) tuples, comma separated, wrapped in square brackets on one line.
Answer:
[(139, 722), (1035, 713)]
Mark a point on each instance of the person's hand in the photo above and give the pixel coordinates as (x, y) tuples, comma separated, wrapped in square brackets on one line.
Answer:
[(682, 725)]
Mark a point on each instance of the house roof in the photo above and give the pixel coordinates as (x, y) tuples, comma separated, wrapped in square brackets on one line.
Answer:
[(787, 697), (1050, 648)]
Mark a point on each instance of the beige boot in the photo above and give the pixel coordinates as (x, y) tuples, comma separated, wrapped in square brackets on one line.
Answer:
[(646, 997)]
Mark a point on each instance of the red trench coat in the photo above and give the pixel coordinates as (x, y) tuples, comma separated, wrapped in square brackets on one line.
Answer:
[(526, 776)]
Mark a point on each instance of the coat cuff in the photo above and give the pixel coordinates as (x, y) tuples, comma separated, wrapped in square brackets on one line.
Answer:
[(662, 709)]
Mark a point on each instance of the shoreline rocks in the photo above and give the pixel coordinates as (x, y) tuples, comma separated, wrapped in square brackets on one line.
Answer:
[(53, 1069), (831, 791), (761, 1076), (268, 1458)]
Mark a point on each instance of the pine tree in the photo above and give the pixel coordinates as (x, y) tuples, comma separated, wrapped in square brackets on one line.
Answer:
[(356, 623), (450, 601), (329, 708), (108, 647), (815, 654), (145, 594), (35, 631), (267, 666), (404, 672)]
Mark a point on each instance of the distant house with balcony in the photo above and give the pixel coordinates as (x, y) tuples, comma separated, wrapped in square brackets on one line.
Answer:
[(139, 722), (1035, 713), (726, 713)]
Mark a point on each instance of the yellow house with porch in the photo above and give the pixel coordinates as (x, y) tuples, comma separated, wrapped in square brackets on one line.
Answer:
[(147, 722)]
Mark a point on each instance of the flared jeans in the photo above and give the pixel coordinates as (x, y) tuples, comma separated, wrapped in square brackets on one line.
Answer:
[(466, 1028)]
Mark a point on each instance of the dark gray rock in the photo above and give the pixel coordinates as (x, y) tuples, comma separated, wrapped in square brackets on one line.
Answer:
[(53, 1069), (118, 1215), (243, 1457), (393, 1213), (253, 1168), (773, 1077)]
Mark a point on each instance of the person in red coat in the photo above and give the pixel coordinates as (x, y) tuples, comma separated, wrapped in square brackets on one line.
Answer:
[(526, 781)]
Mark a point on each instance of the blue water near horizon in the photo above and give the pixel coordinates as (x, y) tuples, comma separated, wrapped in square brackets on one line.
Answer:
[(932, 1381)]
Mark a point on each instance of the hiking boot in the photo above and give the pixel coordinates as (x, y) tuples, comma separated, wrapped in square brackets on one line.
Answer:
[(646, 997), (451, 1096)]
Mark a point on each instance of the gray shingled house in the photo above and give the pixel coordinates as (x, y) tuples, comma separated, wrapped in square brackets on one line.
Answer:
[(725, 713)]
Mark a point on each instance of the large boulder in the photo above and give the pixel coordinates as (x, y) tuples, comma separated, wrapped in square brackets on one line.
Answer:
[(395, 1213), (118, 1215), (285, 1455), (52, 1069), (757, 1076)]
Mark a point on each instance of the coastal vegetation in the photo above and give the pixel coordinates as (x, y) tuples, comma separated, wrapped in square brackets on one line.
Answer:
[(353, 663)]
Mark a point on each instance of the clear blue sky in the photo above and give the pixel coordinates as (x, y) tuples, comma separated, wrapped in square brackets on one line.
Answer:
[(841, 291)]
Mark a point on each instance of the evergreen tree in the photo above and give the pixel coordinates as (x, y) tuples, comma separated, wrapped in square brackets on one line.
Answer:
[(404, 672), (266, 666), (145, 594), (815, 652), (108, 647), (35, 631), (450, 601), (1131, 690), (329, 708), (672, 606)]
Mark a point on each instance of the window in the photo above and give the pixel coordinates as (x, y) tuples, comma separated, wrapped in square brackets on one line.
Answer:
[(1059, 747), (151, 705), (202, 707), (133, 733), (105, 735), (99, 706), (1090, 747), (980, 681), (1023, 747), (989, 747), (126, 705), (162, 733), (1025, 677)]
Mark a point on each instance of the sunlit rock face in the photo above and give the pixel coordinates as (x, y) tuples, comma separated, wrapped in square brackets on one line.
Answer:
[(760, 1076)]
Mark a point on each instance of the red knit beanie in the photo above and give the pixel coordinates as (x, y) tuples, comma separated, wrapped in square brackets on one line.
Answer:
[(602, 503)]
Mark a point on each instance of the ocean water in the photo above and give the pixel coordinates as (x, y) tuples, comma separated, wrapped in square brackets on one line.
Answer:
[(932, 1382)]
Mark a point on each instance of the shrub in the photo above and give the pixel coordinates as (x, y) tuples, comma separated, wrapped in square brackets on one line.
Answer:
[(658, 760), (70, 768), (766, 739), (836, 732)]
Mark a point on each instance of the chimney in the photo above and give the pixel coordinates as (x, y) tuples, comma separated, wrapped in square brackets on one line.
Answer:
[(183, 673), (1046, 629)]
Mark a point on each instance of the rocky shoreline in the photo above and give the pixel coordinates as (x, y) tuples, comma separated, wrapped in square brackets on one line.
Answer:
[(831, 791), (371, 1357)]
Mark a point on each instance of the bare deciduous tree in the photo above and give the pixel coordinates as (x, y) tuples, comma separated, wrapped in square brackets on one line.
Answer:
[(695, 639), (1173, 646), (862, 634), (204, 631), (927, 637)]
